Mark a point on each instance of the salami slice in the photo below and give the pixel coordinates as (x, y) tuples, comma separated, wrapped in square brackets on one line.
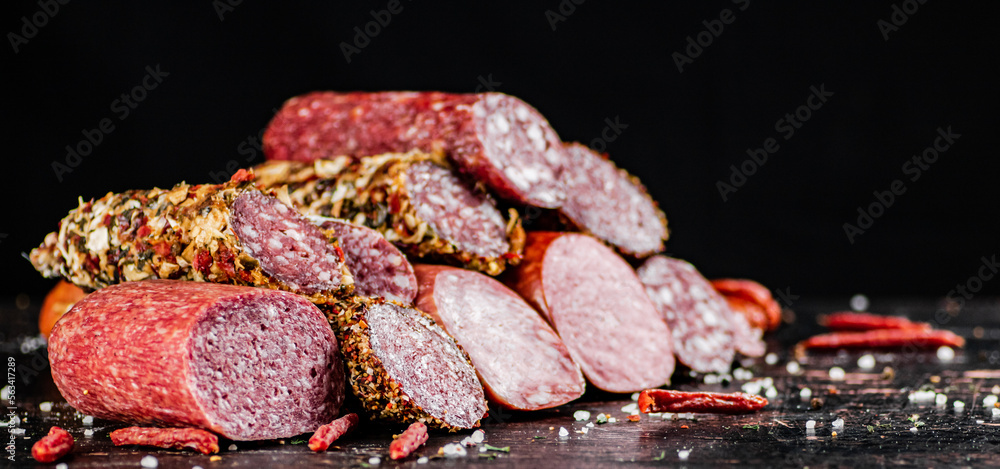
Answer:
[(226, 233), (378, 268), (494, 138), (413, 199), (521, 362), (596, 303), (246, 363), (611, 204), (404, 368), (699, 318)]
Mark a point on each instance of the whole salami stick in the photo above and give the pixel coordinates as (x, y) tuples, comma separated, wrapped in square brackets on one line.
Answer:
[(170, 438), (883, 338), (56, 444), (408, 441), (226, 233), (851, 321), (665, 400), (327, 434), (413, 199)]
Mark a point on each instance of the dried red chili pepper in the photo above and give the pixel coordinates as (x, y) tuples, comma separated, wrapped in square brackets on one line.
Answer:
[(883, 338), (51, 447), (851, 321), (408, 441), (665, 400), (327, 434), (755, 314), (751, 291), (196, 439)]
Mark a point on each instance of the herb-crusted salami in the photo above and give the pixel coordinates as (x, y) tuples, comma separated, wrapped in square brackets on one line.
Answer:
[(521, 362), (594, 300), (246, 363), (699, 318), (226, 233), (378, 268), (494, 138), (611, 204), (404, 368), (413, 199)]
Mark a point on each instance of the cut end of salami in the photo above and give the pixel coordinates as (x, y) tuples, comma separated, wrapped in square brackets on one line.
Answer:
[(521, 362), (405, 368), (379, 269), (600, 309), (611, 204), (699, 318), (288, 247), (246, 363)]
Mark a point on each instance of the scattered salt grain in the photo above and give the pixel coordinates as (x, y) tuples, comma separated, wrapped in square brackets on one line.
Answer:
[(612, 420), (197, 467), (995, 412), (996, 389), (591, 424), (810, 424), (479, 436), (45, 407), (635, 396), (945, 353), (482, 449), (859, 302), (585, 430), (632, 408), (563, 432), (913, 429), (959, 406), (990, 401), (837, 373), (805, 393), (940, 400), (711, 379), (980, 421), (422, 460), (771, 358), (374, 460), (232, 447), (467, 441), (88, 420), (582, 415), (62, 465), (683, 454), (922, 397), (866, 362), (453, 450), (839, 423), (149, 461), (793, 367), (88, 433), (771, 393)]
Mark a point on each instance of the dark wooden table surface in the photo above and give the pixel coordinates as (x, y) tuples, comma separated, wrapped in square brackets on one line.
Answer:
[(883, 425)]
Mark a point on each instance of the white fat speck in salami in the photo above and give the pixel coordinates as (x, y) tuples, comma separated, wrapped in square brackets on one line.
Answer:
[(246, 363), (521, 362), (599, 308), (379, 268), (700, 319)]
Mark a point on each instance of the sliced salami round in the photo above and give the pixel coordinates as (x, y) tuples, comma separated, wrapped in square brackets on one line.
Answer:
[(379, 268), (699, 318), (246, 363), (404, 368), (492, 137), (611, 204), (521, 362), (600, 309)]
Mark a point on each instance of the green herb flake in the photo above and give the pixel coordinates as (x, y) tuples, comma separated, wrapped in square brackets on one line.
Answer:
[(751, 427), (871, 429), (539, 437), (662, 455), (300, 441), (505, 449), (602, 419)]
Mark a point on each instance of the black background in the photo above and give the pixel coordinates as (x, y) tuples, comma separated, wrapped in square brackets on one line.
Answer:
[(605, 60)]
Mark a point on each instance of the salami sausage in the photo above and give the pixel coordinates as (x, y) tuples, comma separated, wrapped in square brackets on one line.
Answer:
[(611, 204), (413, 199), (226, 233), (246, 363), (521, 362), (404, 368), (378, 268), (596, 303), (494, 138), (699, 318)]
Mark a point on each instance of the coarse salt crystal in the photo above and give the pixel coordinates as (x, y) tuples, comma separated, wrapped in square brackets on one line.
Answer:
[(479, 436), (583, 415), (454, 450), (632, 408), (88, 420), (590, 425), (866, 362), (467, 441), (232, 447), (839, 423), (959, 405), (374, 460), (837, 373), (45, 407), (482, 449), (940, 400), (197, 467), (423, 459), (711, 379), (922, 397), (771, 358), (996, 412), (149, 461), (805, 393), (612, 420), (945, 353), (810, 424), (859, 302), (585, 430), (635, 396), (913, 429), (771, 393), (793, 367), (990, 401), (88, 433), (62, 465), (563, 432), (683, 454), (996, 389)]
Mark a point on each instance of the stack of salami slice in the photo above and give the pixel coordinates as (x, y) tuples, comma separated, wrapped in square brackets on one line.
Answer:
[(396, 217)]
